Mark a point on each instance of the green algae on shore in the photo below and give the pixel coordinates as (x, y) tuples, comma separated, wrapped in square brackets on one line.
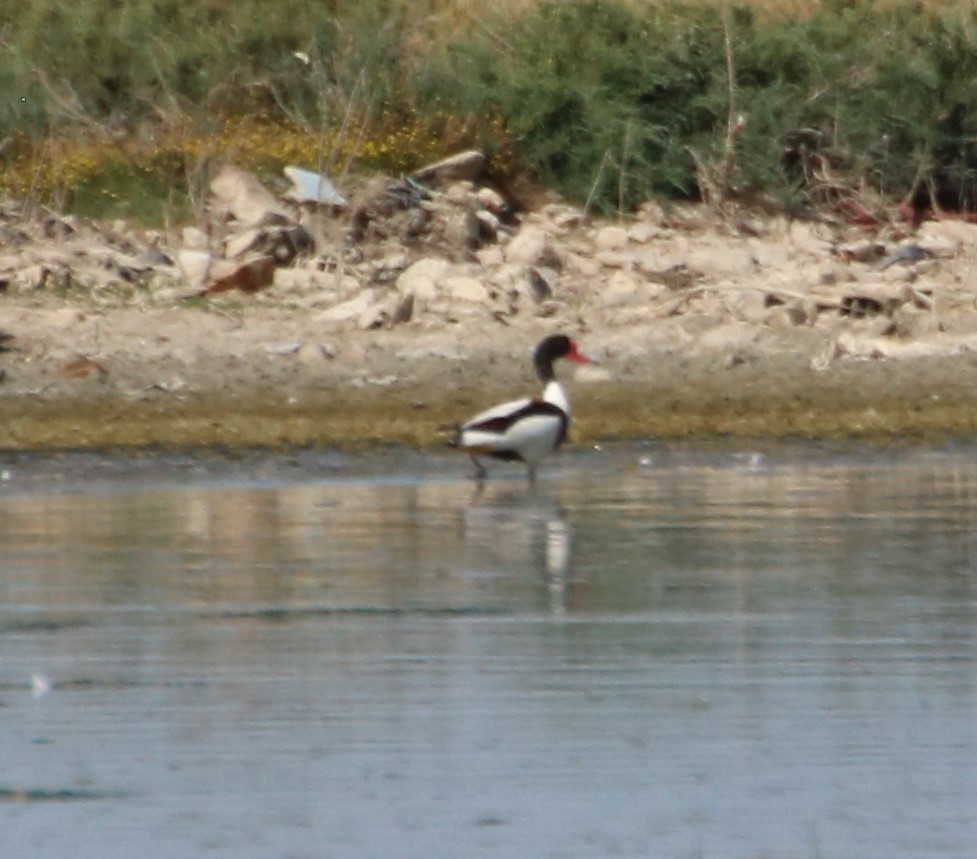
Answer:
[(751, 404)]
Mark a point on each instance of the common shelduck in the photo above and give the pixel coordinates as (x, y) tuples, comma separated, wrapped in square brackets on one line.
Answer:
[(526, 430)]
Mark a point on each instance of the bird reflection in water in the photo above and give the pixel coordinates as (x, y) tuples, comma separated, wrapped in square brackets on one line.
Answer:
[(513, 530)]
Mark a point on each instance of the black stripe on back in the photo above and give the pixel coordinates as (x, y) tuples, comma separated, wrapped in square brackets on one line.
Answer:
[(533, 408)]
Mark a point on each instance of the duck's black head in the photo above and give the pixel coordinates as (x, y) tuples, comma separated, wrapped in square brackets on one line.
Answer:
[(553, 348)]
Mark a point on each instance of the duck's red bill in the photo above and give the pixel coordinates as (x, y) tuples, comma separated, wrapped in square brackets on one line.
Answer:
[(576, 355)]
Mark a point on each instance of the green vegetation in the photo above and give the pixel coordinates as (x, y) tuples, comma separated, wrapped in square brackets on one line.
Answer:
[(607, 101)]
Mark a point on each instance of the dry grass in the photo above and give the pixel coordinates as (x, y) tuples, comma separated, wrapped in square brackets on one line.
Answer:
[(59, 171)]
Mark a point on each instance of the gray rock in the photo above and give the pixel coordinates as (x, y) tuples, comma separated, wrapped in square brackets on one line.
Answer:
[(403, 309), (540, 288)]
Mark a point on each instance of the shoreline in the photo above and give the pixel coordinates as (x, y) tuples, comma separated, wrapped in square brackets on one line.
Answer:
[(926, 399), (703, 329)]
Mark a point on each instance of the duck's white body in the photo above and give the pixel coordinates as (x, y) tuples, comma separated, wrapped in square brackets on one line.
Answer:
[(527, 429)]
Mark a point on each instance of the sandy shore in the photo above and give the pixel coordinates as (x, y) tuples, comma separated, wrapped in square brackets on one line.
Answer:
[(768, 338)]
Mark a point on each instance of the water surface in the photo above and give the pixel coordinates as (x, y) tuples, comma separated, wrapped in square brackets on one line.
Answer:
[(659, 652)]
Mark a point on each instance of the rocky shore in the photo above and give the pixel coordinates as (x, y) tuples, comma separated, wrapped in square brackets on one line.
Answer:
[(377, 316)]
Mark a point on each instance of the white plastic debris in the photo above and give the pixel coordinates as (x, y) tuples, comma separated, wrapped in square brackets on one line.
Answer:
[(311, 187)]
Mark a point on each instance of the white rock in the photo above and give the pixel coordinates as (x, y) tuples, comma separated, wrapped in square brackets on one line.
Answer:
[(461, 193), (422, 278), (461, 288), (615, 259), (194, 266), (622, 288), (583, 265), (612, 238), (354, 308), (530, 246), (643, 232), (490, 257), (194, 239), (245, 198), (952, 233), (303, 280), (491, 199)]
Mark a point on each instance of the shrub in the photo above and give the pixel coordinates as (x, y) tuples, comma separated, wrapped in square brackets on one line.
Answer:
[(885, 95), (607, 101), (586, 84)]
